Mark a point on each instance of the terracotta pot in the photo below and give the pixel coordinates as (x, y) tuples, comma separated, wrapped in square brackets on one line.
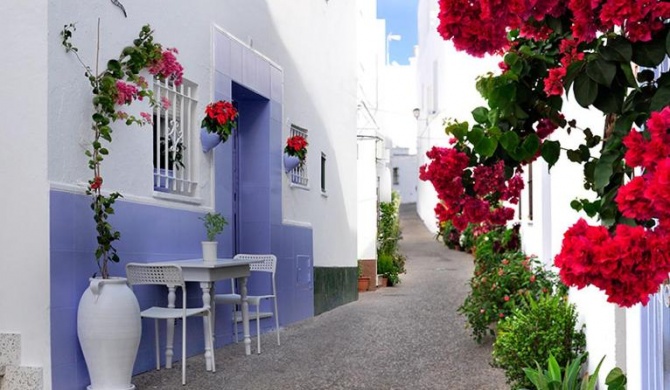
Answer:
[(363, 283)]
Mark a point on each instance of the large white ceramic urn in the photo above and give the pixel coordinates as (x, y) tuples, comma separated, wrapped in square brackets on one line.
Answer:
[(109, 327)]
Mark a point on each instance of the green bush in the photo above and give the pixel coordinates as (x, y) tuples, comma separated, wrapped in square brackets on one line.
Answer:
[(543, 327), (449, 235), (390, 262), (388, 225), (467, 239), (501, 284)]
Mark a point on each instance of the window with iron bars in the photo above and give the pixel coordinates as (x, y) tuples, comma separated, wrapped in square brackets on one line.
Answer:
[(298, 174), (173, 145)]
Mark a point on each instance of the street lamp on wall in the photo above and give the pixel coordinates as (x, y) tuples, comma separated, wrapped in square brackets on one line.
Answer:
[(391, 37), (416, 112)]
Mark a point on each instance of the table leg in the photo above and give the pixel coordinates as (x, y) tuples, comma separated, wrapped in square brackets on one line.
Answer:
[(245, 315), (207, 329), (169, 344)]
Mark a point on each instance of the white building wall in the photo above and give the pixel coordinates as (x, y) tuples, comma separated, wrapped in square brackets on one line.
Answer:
[(367, 200), (319, 95), (404, 165), (370, 140), (397, 99), (24, 201), (446, 89)]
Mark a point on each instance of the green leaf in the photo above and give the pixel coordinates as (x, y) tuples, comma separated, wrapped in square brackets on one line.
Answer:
[(604, 169), (576, 205), (475, 135), (574, 156), (649, 54), (586, 90), (480, 114), (609, 101), (616, 379), (601, 71), (530, 145), (551, 151), (509, 141), (554, 369), (660, 99), (628, 73), (486, 146), (667, 43), (618, 49), (458, 130)]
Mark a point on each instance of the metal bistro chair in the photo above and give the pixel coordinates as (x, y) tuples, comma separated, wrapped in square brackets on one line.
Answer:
[(170, 276), (267, 265)]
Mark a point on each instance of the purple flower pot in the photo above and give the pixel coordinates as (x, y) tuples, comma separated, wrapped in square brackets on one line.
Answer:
[(290, 162), (208, 140)]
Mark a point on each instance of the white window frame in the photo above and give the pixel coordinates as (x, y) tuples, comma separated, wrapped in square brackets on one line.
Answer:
[(177, 124)]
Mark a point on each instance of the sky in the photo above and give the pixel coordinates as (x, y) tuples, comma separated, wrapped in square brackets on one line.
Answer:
[(400, 18)]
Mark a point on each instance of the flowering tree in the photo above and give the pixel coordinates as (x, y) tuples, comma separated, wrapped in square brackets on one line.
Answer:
[(593, 47), (118, 85)]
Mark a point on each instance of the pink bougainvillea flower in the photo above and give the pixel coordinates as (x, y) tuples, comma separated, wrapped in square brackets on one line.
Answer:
[(125, 92), (147, 117)]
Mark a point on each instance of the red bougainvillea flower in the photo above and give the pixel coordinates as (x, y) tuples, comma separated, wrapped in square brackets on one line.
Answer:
[(481, 202), (96, 183), (630, 263), (553, 83)]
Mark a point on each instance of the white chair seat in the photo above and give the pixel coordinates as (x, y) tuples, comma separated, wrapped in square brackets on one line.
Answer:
[(268, 265), (164, 313)]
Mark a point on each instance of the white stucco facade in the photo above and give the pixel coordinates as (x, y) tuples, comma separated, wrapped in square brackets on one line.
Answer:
[(24, 200), (404, 174)]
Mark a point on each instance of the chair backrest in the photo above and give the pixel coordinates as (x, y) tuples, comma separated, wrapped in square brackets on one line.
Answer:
[(268, 264), (168, 275)]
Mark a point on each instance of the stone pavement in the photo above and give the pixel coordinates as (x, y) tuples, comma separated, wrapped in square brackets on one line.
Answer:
[(404, 337)]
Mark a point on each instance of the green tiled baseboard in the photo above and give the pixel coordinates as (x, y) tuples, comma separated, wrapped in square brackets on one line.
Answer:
[(334, 286)]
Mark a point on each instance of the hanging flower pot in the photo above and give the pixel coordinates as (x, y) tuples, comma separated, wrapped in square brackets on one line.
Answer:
[(295, 152), (220, 120), (209, 140), (290, 162)]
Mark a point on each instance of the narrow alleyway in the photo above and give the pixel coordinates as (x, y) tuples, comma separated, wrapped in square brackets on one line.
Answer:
[(404, 337)]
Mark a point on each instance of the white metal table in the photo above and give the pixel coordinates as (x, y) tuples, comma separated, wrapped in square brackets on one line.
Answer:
[(206, 273)]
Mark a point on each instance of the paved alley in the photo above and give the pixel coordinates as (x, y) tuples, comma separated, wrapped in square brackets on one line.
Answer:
[(404, 337)]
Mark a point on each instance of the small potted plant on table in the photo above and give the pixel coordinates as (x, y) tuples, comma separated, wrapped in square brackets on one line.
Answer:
[(214, 223)]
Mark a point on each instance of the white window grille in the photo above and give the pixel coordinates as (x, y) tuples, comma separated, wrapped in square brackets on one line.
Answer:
[(174, 148), (298, 174)]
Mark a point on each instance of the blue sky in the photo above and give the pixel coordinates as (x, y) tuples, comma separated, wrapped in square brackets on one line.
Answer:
[(400, 18)]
